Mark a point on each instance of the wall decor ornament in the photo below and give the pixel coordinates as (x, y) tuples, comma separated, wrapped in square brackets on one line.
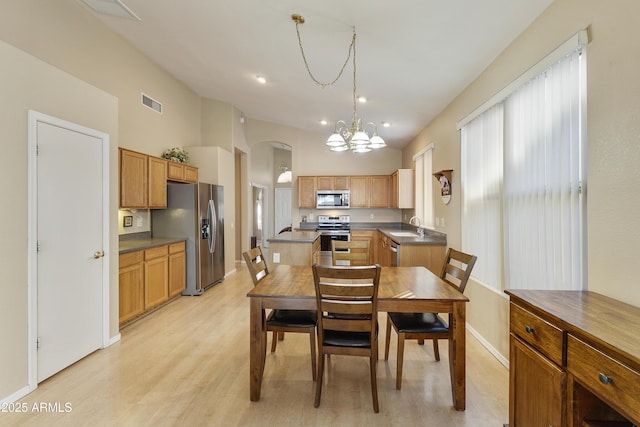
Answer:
[(444, 178)]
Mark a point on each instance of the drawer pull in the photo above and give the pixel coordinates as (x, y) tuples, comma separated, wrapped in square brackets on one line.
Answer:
[(604, 379), (529, 329)]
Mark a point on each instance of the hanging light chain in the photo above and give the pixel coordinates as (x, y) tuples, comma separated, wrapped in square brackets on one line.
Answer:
[(352, 46)]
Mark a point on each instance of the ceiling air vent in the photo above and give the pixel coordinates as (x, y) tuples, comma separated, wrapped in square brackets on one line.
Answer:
[(151, 103)]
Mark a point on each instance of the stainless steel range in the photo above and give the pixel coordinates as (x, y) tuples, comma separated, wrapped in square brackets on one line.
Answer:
[(332, 228)]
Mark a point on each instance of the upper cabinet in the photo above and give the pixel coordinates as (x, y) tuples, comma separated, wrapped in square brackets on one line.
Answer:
[(333, 182), (181, 172), (143, 179), (379, 195), (401, 192), (157, 183), (307, 186), (134, 186), (366, 191)]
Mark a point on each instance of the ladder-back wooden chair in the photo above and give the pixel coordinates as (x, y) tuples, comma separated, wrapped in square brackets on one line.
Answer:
[(280, 321), (347, 291), (421, 326), (357, 252)]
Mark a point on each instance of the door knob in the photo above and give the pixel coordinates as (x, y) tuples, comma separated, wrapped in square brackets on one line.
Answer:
[(98, 254)]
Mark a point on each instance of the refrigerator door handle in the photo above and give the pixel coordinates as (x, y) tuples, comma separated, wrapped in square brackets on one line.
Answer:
[(213, 236)]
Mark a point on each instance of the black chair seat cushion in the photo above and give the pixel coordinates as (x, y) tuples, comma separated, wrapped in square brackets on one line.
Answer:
[(300, 318), (420, 323), (348, 339)]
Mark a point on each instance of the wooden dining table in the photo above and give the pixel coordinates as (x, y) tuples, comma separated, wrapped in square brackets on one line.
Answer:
[(402, 289)]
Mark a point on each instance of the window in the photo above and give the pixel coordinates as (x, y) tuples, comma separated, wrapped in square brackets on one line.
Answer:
[(523, 176), (424, 186), (481, 179)]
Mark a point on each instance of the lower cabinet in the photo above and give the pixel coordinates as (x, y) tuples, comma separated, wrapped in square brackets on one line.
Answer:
[(538, 386), (131, 284), (156, 276), (150, 277), (177, 269), (568, 370)]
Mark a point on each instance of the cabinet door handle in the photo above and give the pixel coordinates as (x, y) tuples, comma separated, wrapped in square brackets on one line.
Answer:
[(529, 329), (604, 379)]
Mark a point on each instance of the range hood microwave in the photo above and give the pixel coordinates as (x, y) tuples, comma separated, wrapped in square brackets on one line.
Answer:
[(332, 199)]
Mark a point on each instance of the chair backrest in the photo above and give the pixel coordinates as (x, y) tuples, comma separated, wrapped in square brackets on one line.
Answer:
[(457, 276), (347, 290), (355, 251), (256, 264)]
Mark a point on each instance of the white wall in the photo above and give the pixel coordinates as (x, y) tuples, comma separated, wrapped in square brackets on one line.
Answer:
[(28, 83), (613, 150)]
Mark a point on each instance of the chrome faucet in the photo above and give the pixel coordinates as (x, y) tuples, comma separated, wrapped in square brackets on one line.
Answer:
[(419, 229)]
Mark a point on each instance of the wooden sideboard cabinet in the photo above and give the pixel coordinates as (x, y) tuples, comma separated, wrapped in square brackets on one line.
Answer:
[(574, 361)]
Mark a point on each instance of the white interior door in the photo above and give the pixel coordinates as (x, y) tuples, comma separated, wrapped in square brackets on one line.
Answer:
[(283, 208), (70, 247)]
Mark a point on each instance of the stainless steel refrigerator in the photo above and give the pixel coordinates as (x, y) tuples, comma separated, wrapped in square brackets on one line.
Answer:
[(195, 211)]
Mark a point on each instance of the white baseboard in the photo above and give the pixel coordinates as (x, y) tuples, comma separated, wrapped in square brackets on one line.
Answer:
[(114, 339), (17, 395), (503, 360)]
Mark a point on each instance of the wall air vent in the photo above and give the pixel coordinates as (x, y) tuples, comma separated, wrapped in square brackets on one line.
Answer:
[(151, 103)]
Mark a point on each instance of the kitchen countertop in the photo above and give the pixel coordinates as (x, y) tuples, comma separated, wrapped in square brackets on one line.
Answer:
[(431, 237), (140, 243), (295, 237)]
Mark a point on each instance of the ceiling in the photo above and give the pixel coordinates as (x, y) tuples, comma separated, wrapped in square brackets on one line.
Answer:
[(413, 56)]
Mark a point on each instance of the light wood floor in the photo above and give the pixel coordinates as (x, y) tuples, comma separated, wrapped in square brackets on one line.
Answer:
[(188, 364)]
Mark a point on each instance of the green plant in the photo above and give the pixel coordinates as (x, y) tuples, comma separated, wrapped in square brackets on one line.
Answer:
[(176, 154)]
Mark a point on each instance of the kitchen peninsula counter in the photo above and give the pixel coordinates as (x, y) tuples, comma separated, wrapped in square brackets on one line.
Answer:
[(295, 248), (431, 237)]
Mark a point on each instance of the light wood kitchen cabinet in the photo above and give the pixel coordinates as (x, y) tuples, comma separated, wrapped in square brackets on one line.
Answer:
[(150, 277), (333, 182), (143, 180), (429, 256), (401, 189), (382, 253), (574, 360), (307, 186), (379, 193), (157, 183), (360, 188), (131, 285), (134, 187), (156, 276), (177, 269), (182, 173)]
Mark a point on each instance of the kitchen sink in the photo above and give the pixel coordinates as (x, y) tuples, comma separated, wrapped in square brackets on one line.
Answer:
[(403, 234)]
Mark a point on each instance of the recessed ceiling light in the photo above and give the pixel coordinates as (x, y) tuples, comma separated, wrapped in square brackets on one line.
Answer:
[(386, 124), (323, 122), (261, 79), (362, 99)]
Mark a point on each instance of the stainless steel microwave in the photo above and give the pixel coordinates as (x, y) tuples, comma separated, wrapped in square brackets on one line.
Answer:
[(332, 199)]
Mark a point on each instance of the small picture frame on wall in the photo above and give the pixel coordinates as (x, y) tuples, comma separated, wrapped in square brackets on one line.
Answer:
[(444, 179), (128, 221)]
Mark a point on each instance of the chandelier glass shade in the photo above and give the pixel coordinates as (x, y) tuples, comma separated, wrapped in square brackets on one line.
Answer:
[(344, 137)]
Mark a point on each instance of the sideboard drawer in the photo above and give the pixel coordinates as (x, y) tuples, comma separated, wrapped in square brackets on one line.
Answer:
[(538, 333), (616, 384)]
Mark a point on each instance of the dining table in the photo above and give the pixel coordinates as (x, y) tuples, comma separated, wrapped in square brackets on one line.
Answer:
[(401, 289)]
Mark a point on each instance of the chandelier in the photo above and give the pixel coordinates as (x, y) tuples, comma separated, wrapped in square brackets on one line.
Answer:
[(344, 137)]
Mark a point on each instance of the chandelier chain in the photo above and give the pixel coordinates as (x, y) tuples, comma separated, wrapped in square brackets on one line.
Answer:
[(352, 47)]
